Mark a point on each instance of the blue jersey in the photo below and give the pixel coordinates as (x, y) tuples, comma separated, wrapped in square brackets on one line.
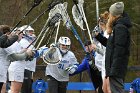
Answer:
[(136, 85), (84, 65)]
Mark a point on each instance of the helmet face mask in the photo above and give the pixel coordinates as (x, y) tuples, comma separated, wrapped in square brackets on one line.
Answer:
[(26, 29), (64, 48), (28, 32), (64, 44)]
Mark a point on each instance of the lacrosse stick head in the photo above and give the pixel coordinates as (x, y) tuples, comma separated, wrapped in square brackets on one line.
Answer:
[(55, 19), (61, 8), (52, 56), (77, 17), (36, 2)]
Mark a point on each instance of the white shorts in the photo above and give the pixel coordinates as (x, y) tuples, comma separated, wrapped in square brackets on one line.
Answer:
[(16, 71), (3, 73), (16, 76)]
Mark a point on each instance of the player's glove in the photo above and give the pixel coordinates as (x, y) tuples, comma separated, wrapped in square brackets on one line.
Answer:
[(71, 69)]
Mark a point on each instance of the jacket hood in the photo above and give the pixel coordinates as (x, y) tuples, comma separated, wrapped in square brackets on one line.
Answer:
[(125, 20)]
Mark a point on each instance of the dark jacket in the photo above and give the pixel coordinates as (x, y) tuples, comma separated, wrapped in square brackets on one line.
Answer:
[(5, 41), (117, 48)]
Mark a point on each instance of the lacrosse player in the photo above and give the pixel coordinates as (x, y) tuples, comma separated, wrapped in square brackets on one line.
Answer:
[(28, 37), (58, 75), (6, 40), (16, 68), (99, 48)]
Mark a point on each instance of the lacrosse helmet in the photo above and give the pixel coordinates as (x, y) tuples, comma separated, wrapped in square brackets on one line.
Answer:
[(28, 32), (64, 41), (26, 28)]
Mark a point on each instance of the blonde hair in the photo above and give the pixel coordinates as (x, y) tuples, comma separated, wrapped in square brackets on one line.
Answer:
[(110, 22), (103, 20), (104, 17)]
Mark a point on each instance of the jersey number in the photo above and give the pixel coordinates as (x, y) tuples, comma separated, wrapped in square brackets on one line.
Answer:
[(61, 66)]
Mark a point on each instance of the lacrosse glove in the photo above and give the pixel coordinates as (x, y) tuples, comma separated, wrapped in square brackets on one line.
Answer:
[(53, 45), (30, 55), (71, 69)]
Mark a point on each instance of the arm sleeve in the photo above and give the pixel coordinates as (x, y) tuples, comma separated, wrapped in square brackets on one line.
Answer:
[(40, 51), (73, 60), (82, 67), (17, 57), (3, 39), (101, 39), (22, 56), (9, 41)]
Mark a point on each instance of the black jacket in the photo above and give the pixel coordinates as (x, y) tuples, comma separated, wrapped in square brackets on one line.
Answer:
[(117, 48), (6, 42)]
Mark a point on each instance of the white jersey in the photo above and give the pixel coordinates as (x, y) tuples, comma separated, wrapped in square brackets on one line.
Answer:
[(4, 64), (30, 65), (17, 66), (100, 58), (58, 71), (103, 61)]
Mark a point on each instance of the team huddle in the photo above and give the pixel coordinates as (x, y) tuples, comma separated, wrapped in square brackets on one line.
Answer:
[(106, 59)]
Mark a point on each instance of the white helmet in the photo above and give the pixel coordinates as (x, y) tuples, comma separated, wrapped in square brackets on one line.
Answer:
[(28, 32), (26, 28), (64, 41)]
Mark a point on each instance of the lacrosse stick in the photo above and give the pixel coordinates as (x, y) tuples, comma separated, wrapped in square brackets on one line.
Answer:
[(43, 29), (75, 32), (49, 36), (44, 12), (57, 32), (52, 22), (52, 56), (68, 23), (36, 3), (80, 9), (77, 17), (43, 37), (54, 17), (97, 10), (50, 6)]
